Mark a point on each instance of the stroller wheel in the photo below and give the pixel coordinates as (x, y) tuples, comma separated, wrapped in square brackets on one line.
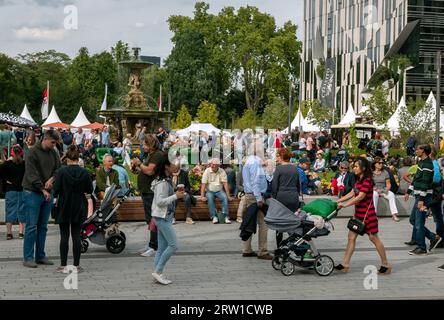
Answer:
[(115, 244), (324, 265), (84, 247), (123, 235), (287, 268), (277, 262)]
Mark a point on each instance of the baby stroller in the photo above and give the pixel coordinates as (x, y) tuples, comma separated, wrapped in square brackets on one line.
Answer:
[(102, 227), (341, 156), (298, 249)]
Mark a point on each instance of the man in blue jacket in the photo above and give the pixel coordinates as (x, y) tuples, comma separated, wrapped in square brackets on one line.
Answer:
[(304, 165)]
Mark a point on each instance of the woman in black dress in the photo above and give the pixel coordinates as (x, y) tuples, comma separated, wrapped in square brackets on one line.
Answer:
[(73, 186), (285, 185)]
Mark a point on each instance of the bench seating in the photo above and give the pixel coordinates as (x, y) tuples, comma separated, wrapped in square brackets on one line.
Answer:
[(132, 210)]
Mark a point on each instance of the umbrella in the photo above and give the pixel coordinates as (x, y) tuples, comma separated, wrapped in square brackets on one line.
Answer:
[(57, 125), (94, 125), (16, 121)]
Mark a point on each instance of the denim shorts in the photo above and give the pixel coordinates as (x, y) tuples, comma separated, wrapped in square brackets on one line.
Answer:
[(15, 207)]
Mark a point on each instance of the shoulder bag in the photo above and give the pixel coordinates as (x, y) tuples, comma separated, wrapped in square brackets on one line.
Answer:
[(356, 225)]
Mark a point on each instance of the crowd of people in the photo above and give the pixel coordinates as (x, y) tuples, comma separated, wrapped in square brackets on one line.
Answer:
[(40, 166)]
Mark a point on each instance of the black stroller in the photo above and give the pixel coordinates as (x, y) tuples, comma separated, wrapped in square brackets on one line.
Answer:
[(299, 248), (102, 227), (341, 156)]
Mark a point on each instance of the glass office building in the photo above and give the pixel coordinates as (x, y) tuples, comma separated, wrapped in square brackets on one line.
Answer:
[(360, 34)]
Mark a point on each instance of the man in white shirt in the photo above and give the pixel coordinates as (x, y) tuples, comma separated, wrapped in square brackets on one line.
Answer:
[(214, 181)]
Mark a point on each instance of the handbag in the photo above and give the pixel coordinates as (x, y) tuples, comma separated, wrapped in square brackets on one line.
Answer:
[(152, 226), (356, 225)]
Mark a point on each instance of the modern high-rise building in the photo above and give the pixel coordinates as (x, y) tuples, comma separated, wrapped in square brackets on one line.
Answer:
[(356, 38)]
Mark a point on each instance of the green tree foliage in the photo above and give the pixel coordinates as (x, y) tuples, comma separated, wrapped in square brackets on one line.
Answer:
[(183, 118), (213, 53), (249, 120), (380, 107), (275, 115), (320, 114), (208, 113), (415, 105), (423, 124)]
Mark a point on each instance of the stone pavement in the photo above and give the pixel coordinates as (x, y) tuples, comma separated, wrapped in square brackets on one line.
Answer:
[(209, 265)]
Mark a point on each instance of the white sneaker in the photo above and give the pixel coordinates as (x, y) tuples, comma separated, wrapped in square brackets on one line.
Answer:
[(215, 220), (149, 253), (227, 221), (160, 278)]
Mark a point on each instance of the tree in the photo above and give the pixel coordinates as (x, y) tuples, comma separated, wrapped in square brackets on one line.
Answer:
[(423, 123), (120, 51), (208, 113), (275, 115), (380, 107), (320, 114), (249, 120), (183, 119)]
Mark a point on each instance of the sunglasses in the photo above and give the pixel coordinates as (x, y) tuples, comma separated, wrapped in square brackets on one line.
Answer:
[(380, 162), (345, 168)]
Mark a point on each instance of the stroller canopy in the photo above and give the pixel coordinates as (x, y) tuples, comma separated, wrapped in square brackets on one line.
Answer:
[(280, 218), (110, 194)]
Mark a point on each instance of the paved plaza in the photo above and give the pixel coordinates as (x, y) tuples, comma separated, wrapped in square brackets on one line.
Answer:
[(209, 265)]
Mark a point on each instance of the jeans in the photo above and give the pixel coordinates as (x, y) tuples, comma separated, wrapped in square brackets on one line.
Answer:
[(221, 195), (417, 220), (390, 196), (167, 242), (37, 215), (147, 199), (438, 218), (14, 207)]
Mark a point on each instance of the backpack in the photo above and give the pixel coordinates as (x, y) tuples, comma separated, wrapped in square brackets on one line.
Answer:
[(394, 185), (436, 172)]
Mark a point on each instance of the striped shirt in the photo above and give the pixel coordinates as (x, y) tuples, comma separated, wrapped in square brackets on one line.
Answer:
[(366, 206)]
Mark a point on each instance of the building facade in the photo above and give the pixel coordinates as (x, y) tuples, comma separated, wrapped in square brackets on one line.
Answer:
[(360, 36)]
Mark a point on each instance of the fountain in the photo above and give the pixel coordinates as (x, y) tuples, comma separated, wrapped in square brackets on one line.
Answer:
[(134, 113)]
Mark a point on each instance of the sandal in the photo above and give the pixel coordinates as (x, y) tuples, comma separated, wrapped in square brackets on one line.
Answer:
[(21, 235), (9, 236), (384, 270), (341, 268)]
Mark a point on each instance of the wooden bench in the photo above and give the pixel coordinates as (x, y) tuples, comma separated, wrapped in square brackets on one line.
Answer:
[(132, 210)]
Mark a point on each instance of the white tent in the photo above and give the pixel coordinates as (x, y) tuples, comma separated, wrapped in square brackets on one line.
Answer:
[(196, 127), (297, 121), (25, 114), (80, 120), (307, 124), (52, 118), (349, 118), (393, 123)]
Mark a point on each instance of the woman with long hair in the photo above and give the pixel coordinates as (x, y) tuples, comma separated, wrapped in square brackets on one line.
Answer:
[(73, 187), (12, 172), (362, 198), (163, 208)]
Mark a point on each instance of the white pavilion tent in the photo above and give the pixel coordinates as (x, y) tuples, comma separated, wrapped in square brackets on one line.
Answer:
[(80, 120), (196, 127), (297, 121), (52, 118), (307, 123), (25, 114)]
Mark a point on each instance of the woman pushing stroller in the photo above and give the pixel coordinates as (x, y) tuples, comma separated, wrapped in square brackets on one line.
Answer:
[(362, 198)]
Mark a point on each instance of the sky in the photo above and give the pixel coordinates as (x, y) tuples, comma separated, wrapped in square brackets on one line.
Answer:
[(36, 25)]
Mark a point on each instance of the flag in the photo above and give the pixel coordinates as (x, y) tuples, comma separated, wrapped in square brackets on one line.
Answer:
[(45, 103), (103, 107), (159, 100)]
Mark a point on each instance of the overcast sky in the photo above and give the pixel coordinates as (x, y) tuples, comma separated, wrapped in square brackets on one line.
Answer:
[(37, 25)]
